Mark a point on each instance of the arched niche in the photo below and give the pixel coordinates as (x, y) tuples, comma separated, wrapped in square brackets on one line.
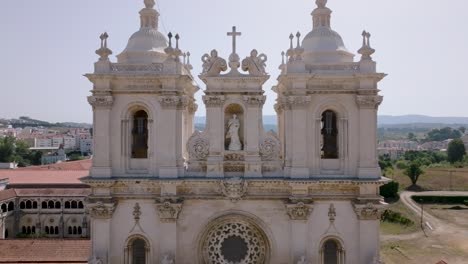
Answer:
[(139, 135), (332, 251), (329, 135), (137, 250), (234, 121)]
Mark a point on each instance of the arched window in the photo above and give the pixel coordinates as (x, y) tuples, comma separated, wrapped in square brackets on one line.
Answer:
[(56, 230), (11, 206), (80, 205), (58, 205), (33, 230), (44, 205), (75, 230), (47, 230), (50, 205), (140, 135), (329, 135), (80, 230), (6, 233), (28, 204), (70, 231), (138, 251), (332, 252), (67, 205), (74, 205), (23, 205), (4, 208), (28, 230), (23, 229), (34, 205)]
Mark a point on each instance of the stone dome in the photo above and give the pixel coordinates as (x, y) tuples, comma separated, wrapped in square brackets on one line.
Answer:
[(144, 46), (324, 45)]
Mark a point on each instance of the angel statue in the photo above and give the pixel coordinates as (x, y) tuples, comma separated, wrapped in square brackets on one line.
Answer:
[(212, 64), (255, 64)]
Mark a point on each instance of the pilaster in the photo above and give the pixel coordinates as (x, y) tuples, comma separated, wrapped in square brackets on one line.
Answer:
[(101, 215), (168, 214), (298, 212)]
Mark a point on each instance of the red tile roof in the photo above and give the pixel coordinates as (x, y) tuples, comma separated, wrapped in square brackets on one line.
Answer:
[(51, 192), (71, 165), (7, 194), (41, 177), (44, 251)]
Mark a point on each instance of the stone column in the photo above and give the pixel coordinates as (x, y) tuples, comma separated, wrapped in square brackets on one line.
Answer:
[(168, 214), (298, 140), (215, 127), (368, 160), (102, 105), (101, 216), (369, 231), (298, 212), (253, 125)]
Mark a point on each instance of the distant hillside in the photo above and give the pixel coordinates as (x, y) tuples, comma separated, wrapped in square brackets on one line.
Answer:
[(24, 121), (412, 119)]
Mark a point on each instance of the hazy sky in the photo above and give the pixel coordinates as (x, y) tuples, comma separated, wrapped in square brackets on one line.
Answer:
[(47, 45)]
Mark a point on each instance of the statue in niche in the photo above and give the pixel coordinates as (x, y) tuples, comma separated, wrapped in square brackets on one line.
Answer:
[(233, 134), (255, 64), (212, 64)]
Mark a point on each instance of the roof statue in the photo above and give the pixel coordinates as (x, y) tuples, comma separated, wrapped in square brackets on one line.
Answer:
[(321, 3), (149, 3)]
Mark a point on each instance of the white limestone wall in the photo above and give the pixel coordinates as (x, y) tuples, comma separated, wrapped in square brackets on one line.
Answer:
[(289, 239)]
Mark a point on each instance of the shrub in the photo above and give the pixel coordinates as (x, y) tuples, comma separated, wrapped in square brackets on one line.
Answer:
[(396, 217), (390, 190), (401, 164), (440, 199)]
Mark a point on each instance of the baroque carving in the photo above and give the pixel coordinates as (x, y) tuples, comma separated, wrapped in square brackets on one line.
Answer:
[(332, 213), (169, 212), (101, 210), (295, 101), (338, 67), (173, 102), (258, 100), (212, 64), (234, 188), (270, 147), (255, 64), (154, 67), (214, 101), (101, 101), (298, 211), (198, 146), (368, 211), (137, 212), (249, 240), (236, 156), (369, 101)]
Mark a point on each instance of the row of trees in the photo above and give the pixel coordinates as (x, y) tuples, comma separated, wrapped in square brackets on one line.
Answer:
[(440, 134), (12, 150)]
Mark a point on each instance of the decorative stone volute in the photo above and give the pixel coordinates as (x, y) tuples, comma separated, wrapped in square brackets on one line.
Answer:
[(101, 101), (369, 211), (169, 211), (369, 101), (299, 210), (213, 100), (100, 210), (234, 188)]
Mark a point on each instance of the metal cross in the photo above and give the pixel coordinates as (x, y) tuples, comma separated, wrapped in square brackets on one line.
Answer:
[(234, 35)]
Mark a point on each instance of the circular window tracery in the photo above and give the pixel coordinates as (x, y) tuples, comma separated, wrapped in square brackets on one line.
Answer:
[(235, 241)]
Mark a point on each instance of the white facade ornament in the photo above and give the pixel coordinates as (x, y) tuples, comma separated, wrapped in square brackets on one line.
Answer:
[(298, 211), (234, 188), (254, 100), (270, 147), (233, 134), (332, 213), (212, 64), (255, 64), (173, 102), (303, 260), (369, 101), (101, 101), (137, 212), (169, 212), (214, 100), (295, 101), (198, 146), (368, 211), (101, 210)]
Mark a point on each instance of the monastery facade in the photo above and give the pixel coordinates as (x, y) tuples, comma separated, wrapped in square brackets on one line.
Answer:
[(234, 193)]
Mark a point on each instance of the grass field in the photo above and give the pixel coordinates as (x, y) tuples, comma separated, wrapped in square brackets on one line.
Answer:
[(387, 228), (436, 179)]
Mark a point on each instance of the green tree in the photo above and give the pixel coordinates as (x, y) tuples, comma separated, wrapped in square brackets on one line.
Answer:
[(414, 171), (462, 129), (7, 149), (456, 150), (411, 136)]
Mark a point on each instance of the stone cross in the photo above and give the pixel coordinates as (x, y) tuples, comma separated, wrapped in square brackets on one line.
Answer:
[(234, 35)]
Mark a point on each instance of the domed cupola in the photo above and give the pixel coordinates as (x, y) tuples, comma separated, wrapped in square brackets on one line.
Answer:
[(147, 44), (324, 45)]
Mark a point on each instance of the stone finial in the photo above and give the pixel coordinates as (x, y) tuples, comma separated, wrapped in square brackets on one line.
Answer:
[(321, 3), (282, 57), (366, 50), (188, 64), (149, 3), (104, 51), (290, 52), (299, 50)]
